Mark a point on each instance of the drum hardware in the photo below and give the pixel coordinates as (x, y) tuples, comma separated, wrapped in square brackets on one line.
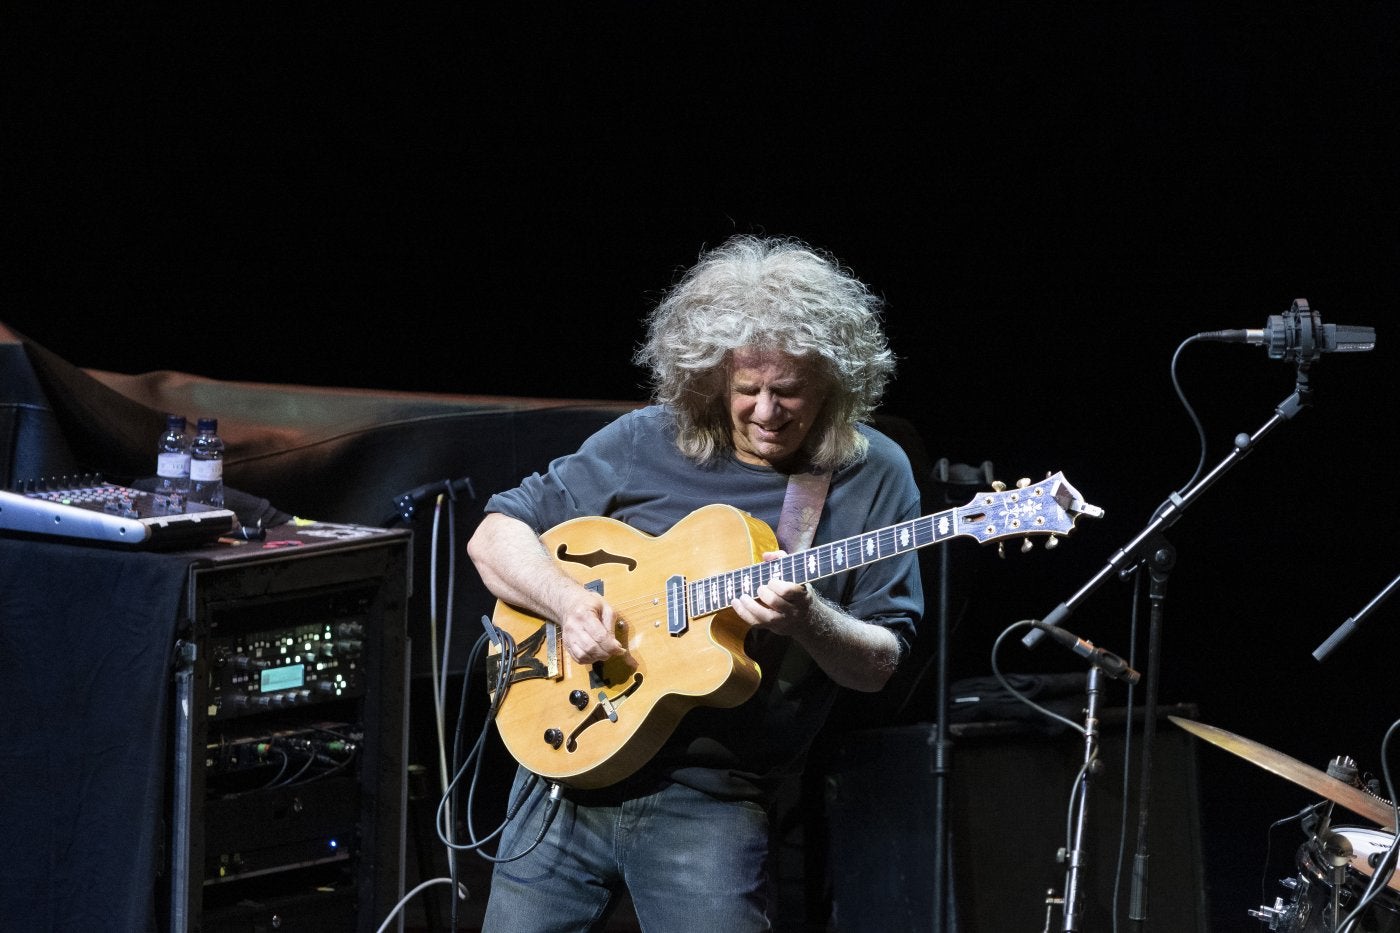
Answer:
[(1336, 864), (1336, 852), (1334, 873)]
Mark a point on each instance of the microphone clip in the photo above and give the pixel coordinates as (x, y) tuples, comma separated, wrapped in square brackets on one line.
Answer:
[(1106, 661)]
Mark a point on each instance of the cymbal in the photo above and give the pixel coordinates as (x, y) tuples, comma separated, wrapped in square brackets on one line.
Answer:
[(1319, 782)]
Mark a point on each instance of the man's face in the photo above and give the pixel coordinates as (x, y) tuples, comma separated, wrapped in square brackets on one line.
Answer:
[(774, 399)]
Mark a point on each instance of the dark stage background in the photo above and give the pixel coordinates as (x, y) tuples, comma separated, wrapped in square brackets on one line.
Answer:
[(486, 199)]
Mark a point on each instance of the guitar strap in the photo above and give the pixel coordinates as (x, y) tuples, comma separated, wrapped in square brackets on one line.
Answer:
[(797, 526), (802, 509)]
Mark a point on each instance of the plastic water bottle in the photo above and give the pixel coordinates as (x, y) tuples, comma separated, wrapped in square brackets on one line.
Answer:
[(173, 459), (207, 464)]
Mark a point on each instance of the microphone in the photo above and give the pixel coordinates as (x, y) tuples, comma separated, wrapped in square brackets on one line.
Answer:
[(407, 503), (1106, 661), (1299, 334)]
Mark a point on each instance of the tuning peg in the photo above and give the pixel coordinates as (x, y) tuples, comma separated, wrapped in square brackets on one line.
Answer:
[(1052, 542), (1001, 549), (1023, 482), (998, 485), (1027, 545)]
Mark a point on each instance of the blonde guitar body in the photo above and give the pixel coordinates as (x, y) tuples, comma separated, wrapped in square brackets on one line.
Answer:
[(590, 725)]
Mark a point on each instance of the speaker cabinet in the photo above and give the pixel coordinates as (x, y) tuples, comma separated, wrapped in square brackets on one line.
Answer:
[(1009, 801)]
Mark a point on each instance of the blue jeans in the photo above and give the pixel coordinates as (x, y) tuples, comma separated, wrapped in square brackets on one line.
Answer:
[(690, 861)]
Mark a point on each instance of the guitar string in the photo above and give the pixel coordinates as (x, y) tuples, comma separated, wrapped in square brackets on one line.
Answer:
[(833, 557), (829, 559)]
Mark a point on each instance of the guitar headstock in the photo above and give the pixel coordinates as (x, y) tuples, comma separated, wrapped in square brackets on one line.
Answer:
[(1049, 507)]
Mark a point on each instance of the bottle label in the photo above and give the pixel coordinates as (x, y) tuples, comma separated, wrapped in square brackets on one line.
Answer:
[(173, 464), (206, 471)]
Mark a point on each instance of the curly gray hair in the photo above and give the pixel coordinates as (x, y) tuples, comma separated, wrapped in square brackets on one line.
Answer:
[(771, 293)]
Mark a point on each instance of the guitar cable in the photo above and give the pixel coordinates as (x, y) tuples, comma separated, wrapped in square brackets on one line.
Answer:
[(506, 665)]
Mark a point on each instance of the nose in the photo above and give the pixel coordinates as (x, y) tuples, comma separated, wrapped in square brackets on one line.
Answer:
[(767, 406)]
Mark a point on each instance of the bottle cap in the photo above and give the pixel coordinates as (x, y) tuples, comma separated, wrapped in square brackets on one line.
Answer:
[(175, 421), (208, 425)]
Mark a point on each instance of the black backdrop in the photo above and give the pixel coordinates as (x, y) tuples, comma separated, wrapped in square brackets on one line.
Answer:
[(485, 199)]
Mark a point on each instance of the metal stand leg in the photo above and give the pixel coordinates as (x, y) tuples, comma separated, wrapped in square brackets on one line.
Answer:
[(183, 773), (952, 480), (1073, 906)]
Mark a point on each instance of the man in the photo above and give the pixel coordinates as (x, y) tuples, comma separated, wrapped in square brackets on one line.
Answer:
[(766, 359)]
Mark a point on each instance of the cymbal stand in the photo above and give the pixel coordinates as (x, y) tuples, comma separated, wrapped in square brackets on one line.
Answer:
[(1149, 548)]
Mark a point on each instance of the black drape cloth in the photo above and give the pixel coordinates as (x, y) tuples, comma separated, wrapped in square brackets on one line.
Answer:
[(87, 638)]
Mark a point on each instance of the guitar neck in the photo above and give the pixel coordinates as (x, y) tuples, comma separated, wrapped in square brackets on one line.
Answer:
[(1048, 507)]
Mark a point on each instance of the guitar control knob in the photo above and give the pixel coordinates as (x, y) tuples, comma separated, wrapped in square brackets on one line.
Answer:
[(553, 737), (578, 698)]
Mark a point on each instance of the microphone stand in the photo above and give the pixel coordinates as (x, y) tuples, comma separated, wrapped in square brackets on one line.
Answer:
[(948, 477), (1160, 559), (1073, 902), (1344, 630)]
